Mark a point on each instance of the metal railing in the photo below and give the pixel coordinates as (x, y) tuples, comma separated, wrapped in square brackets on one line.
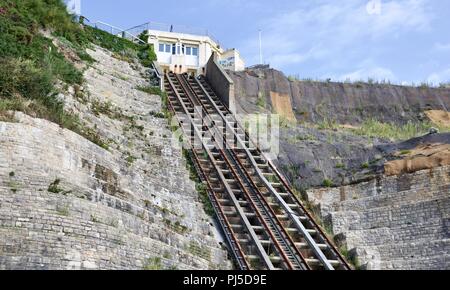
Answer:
[(126, 35), (119, 32), (136, 30)]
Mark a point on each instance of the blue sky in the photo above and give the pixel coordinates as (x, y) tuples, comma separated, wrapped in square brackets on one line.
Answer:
[(403, 40)]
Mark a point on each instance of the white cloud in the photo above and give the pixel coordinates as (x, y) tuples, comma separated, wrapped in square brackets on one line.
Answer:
[(377, 73), (440, 77), (334, 31)]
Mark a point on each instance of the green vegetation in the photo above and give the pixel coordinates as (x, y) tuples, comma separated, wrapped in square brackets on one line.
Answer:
[(130, 159), (272, 179), (13, 186), (150, 90), (351, 258), (293, 170), (159, 115), (153, 264), (204, 198), (198, 250), (261, 102), (327, 183), (365, 165), (164, 99), (340, 166), (373, 128), (301, 138), (327, 124), (105, 108), (201, 188), (368, 82), (405, 152), (63, 210), (31, 64), (32, 60), (120, 76), (54, 186), (121, 48), (176, 227), (167, 255), (94, 219)]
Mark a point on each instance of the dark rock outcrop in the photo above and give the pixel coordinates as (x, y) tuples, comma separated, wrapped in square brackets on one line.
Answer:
[(312, 157)]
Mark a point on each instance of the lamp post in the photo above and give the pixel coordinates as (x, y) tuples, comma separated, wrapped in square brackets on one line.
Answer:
[(260, 47)]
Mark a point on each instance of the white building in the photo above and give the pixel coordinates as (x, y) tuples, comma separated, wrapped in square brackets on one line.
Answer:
[(183, 52), (232, 60)]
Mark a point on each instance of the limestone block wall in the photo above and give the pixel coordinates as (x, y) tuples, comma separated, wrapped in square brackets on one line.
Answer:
[(396, 222), (66, 203)]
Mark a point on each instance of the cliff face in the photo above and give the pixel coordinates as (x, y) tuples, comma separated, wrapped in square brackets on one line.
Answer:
[(344, 103), (346, 147), (396, 222), (338, 133), (66, 203)]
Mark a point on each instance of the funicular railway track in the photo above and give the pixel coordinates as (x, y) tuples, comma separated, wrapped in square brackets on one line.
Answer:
[(266, 226)]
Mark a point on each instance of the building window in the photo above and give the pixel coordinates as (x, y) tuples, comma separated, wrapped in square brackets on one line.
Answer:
[(190, 50), (174, 51), (165, 47)]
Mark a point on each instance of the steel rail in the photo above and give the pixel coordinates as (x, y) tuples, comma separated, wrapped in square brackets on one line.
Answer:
[(309, 239), (323, 236), (227, 228), (247, 194), (278, 225), (244, 187), (204, 147), (242, 216)]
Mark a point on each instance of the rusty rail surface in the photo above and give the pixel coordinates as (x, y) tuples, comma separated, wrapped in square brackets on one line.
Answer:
[(265, 225)]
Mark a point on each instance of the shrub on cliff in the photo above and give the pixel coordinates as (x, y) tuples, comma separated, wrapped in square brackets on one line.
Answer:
[(31, 65), (121, 46)]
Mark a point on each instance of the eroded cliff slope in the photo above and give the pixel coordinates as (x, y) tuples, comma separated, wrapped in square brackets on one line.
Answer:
[(67, 203), (347, 149)]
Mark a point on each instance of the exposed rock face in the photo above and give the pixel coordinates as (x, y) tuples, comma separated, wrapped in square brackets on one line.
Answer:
[(341, 102), (311, 155), (396, 222), (66, 203), (393, 210), (439, 117), (423, 157)]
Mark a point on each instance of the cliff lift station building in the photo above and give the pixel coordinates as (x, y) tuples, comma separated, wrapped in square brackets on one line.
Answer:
[(189, 53)]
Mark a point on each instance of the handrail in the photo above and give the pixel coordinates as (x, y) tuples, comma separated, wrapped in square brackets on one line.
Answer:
[(298, 224), (235, 201), (263, 200), (111, 29), (159, 74), (151, 25), (286, 185), (237, 250)]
